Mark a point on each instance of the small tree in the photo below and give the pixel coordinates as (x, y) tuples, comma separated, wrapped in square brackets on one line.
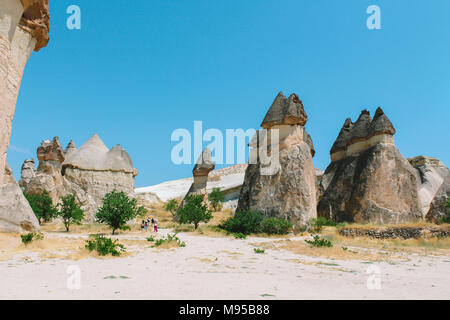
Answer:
[(216, 198), (172, 206), (42, 206), (194, 211), (70, 211), (117, 210)]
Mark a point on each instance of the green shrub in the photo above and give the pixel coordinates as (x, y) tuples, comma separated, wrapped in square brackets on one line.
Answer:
[(257, 250), (105, 246), (150, 239), (245, 222), (117, 210), (239, 235), (171, 206), (27, 238), (275, 226), (446, 218), (70, 211), (320, 222), (319, 242), (216, 198), (194, 211), (42, 206), (170, 238)]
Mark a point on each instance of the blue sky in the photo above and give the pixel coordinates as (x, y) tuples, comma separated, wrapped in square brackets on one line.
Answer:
[(137, 70)]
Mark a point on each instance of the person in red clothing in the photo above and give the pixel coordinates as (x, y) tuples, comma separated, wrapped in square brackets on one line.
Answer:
[(155, 228)]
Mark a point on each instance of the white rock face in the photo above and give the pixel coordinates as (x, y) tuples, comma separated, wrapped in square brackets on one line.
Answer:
[(21, 32), (15, 212), (434, 188)]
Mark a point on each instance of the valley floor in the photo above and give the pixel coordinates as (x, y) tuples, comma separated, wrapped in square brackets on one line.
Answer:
[(215, 268)]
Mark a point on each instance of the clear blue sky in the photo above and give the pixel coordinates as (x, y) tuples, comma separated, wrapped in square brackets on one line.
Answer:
[(137, 70)]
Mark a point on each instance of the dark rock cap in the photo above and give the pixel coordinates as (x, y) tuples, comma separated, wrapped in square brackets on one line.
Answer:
[(381, 124), (343, 137), (360, 129), (285, 111), (204, 164)]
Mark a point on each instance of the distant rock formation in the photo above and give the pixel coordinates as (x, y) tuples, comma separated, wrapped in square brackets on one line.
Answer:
[(88, 172), (28, 172), (280, 179), (368, 179), (16, 214), (434, 189), (202, 168), (24, 26)]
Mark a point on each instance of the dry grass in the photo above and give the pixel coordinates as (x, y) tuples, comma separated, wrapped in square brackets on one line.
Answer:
[(361, 248), (420, 224)]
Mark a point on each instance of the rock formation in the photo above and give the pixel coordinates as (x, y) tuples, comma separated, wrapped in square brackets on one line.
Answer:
[(368, 179), (434, 189), (15, 212), (28, 172), (280, 179), (88, 172), (24, 26), (202, 168)]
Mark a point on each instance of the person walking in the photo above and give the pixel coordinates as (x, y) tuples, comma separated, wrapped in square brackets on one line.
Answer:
[(142, 225), (155, 228), (145, 226)]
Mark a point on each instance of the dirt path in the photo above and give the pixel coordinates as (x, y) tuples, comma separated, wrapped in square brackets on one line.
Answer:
[(223, 268)]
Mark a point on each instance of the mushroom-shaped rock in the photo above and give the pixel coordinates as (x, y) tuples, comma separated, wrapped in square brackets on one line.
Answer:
[(89, 156), (117, 159), (343, 137), (360, 130), (50, 151), (204, 164), (284, 110), (381, 124)]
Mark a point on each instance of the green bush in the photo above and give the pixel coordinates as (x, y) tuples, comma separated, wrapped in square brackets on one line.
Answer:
[(216, 198), (320, 222), (446, 218), (319, 242), (244, 222), (194, 211), (239, 235), (170, 238), (275, 226), (42, 206), (70, 211), (105, 246), (257, 250), (171, 206), (27, 238), (117, 210)]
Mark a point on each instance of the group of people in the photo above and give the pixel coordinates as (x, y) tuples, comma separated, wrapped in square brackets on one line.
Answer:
[(147, 223)]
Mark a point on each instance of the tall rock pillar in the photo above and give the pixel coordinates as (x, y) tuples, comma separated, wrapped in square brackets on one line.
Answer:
[(24, 26), (280, 179)]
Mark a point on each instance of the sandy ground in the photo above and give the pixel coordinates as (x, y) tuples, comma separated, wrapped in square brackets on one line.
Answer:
[(219, 268)]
